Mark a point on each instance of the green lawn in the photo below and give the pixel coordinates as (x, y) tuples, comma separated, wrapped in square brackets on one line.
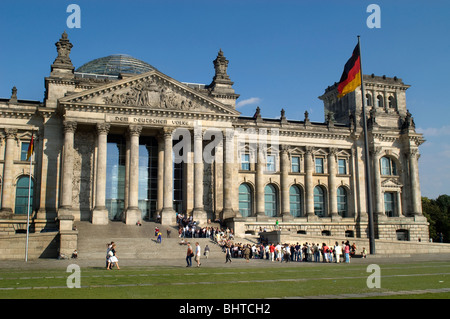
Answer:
[(218, 283)]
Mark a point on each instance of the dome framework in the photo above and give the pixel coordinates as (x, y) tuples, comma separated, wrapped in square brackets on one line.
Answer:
[(114, 65)]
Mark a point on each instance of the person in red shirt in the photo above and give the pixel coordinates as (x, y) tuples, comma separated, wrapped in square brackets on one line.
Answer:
[(272, 251)]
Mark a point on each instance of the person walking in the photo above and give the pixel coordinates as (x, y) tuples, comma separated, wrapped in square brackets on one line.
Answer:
[(227, 254), (197, 253), (189, 255), (207, 250), (159, 238), (113, 258)]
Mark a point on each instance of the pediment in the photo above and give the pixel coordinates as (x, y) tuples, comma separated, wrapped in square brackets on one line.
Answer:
[(391, 183), (151, 90)]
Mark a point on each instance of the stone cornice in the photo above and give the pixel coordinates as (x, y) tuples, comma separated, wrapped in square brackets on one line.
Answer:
[(17, 114), (134, 111)]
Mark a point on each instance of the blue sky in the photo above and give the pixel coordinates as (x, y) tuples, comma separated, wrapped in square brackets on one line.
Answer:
[(282, 54)]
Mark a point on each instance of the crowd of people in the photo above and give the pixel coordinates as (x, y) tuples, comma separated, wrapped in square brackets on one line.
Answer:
[(307, 252), (188, 228)]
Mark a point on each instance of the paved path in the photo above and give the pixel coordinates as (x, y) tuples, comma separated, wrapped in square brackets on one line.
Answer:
[(212, 262)]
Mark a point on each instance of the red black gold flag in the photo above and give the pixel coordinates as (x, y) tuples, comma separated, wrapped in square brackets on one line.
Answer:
[(351, 77), (30, 148)]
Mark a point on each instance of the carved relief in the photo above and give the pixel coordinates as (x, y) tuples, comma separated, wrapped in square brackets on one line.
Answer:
[(153, 94)]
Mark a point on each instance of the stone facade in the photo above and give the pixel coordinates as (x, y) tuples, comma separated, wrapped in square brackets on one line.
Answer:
[(248, 172)]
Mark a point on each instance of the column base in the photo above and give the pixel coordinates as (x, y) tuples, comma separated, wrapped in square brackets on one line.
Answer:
[(261, 217), (287, 217), (100, 216), (132, 215), (65, 211), (168, 216), (312, 218), (6, 213), (227, 213), (199, 216), (335, 217), (66, 223)]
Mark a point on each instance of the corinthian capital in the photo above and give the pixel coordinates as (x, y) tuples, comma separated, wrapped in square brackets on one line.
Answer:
[(69, 126), (134, 130), (103, 128), (10, 133)]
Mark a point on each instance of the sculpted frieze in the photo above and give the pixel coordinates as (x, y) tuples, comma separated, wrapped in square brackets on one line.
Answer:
[(153, 94)]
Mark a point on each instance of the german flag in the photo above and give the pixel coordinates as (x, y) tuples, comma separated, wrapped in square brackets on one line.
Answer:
[(30, 148), (351, 77)]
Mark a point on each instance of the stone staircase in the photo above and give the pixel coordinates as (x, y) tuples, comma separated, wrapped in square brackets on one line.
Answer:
[(138, 242)]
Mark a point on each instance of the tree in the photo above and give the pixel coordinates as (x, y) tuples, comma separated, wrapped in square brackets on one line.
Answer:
[(437, 213)]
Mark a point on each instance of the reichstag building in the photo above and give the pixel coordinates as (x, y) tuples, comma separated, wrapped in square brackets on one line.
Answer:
[(116, 139)]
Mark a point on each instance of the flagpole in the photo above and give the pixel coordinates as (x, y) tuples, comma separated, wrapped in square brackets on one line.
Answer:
[(29, 196), (367, 161)]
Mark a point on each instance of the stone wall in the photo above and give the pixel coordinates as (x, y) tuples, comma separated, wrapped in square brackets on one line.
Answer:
[(40, 245)]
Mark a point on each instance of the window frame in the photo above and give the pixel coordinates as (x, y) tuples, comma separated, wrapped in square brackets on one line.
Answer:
[(321, 165), (342, 212), (271, 166), (387, 164), (248, 201), (296, 165), (345, 166), (297, 202), (322, 203), (245, 163)]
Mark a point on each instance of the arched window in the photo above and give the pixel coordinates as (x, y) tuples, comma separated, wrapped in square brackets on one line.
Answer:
[(21, 207), (368, 99), (319, 201), (270, 200), (392, 102), (295, 200), (342, 202), (388, 166), (245, 200), (379, 101)]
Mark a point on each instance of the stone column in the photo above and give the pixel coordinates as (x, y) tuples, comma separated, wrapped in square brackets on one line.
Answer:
[(259, 185), (309, 186), (133, 213), (228, 162), (168, 216), (415, 184), (199, 213), (67, 174), (379, 200), (100, 213), (284, 167), (160, 192), (332, 183), (7, 191)]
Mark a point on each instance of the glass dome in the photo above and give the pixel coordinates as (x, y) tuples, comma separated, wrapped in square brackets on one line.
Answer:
[(114, 65)]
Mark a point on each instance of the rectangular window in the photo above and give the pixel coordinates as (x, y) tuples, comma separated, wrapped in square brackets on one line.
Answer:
[(342, 166), (295, 164), (24, 151), (319, 166), (390, 204), (245, 162), (270, 163)]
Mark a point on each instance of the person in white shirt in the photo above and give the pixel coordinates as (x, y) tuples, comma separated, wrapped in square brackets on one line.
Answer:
[(197, 254), (338, 252)]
